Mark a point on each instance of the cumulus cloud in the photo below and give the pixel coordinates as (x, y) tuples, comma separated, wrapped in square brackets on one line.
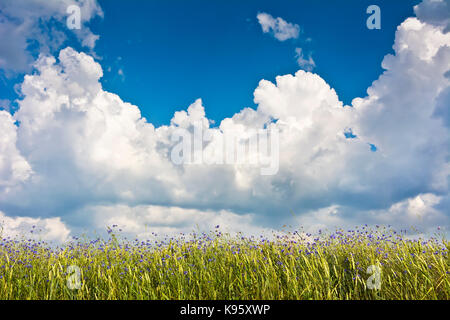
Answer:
[(33, 228), (5, 104), (83, 154), (26, 23), (436, 12), (14, 169), (307, 64), (279, 28), (416, 214), (417, 211), (144, 221)]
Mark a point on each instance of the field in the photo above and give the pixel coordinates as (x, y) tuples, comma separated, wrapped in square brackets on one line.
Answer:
[(351, 264)]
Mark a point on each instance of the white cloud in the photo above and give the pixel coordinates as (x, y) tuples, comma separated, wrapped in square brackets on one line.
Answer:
[(33, 228), (25, 22), (143, 220), (417, 214), (418, 211), (14, 169), (5, 104), (436, 12), (307, 64), (93, 159), (278, 27)]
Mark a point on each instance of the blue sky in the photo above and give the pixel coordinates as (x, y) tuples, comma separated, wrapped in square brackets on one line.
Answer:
[(361, 115), (216, 50), (173, 52)]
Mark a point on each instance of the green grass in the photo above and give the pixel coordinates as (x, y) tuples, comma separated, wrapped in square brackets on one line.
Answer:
[(218, 266)]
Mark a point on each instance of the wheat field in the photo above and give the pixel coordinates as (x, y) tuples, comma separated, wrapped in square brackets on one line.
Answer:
[(345, 264)]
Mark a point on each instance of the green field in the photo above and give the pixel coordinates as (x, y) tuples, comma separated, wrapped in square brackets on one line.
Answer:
[(220, 266)]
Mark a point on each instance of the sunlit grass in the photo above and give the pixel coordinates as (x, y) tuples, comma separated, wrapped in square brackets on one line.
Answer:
[(219, 266)]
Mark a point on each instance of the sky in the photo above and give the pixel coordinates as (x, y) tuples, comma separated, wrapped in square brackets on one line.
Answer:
[(216, 50), (87, 115)]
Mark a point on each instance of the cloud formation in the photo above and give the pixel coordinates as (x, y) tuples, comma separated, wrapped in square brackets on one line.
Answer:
[(307, 64), (435, 12), (277, 27), (82, 154), (40, 24), (14, 169), (33, 228)]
